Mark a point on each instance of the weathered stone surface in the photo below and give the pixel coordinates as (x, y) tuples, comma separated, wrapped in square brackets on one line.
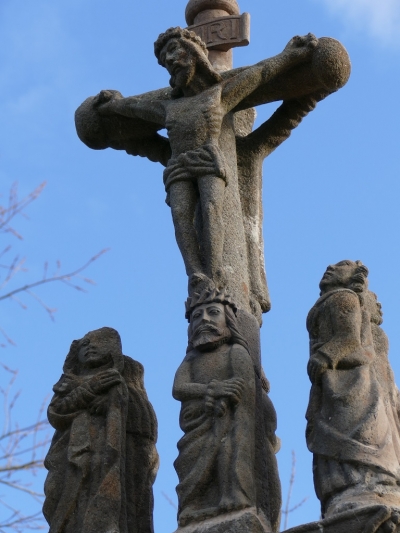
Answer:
[(353, 426), (213, 180), (218, 386), (102, 461), (223, 33), (197, 7), (374, 519), (213, 174), (247, 521), (267, 444)]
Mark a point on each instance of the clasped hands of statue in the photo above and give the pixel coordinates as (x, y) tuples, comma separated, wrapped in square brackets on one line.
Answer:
[(98, 385), (220, 393)]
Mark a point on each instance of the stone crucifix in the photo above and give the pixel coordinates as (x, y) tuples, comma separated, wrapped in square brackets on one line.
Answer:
[(212, 158)]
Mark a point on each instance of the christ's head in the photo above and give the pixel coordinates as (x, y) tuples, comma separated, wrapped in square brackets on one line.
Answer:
[(185, 57)]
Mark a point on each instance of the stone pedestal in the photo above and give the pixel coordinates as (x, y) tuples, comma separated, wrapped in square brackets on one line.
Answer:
[(246, 521), (366, 520)]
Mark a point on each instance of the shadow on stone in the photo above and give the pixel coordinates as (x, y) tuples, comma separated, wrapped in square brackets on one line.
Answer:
[(246, 521)]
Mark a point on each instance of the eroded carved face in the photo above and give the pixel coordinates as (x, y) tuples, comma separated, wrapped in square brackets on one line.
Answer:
[(208, 325), (95, 350), (180, 63), (338, 275)]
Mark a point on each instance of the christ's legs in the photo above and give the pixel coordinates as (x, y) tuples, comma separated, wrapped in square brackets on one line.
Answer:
[(212, 192), (183, 198)]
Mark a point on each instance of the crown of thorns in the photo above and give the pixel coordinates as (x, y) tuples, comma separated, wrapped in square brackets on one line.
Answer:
[(177, 33), (208, 296)]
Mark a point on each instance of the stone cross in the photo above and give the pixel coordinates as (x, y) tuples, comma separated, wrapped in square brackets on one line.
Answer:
[(219, 24), (224, 245), (213, 180)]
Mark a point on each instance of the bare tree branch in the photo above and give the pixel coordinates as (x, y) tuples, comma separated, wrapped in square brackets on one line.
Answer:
[(62, 277), (173, 504), (16, 207), (17, 520), (289, 509), (17, 265), (21, 454), (22, 450)]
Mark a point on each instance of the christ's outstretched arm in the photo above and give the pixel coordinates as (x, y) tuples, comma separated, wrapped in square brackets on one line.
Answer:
[(235, 89), (274, 131), (112, 102)]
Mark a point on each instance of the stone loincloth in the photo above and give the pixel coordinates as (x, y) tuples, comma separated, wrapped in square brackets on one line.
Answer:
[(206, 161)]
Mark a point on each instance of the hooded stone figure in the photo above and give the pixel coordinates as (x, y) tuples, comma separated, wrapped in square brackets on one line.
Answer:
[(102, 460), (353, 422)]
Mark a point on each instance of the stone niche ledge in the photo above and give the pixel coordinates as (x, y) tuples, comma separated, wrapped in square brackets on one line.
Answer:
[(365, 520), (246, 521)]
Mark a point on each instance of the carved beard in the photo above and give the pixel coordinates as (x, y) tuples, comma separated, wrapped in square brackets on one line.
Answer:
[(184, 76), (208, 337)]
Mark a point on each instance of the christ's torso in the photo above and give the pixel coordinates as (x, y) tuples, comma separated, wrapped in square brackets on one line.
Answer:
[(194, 121)]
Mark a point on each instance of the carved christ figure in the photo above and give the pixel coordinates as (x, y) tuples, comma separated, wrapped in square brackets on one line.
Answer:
[(216, 206), (198, 169)]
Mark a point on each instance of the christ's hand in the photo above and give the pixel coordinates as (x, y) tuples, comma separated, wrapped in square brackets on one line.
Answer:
[(301, 47), (104, 101)]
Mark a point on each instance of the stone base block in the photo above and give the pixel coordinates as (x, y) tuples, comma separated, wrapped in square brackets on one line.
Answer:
[(373, 519), (246, 521)]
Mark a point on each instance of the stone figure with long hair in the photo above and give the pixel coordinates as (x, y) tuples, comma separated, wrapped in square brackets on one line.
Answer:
[(102, 461), (353, 425)]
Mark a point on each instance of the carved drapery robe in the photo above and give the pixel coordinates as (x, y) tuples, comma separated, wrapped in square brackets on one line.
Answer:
[(215, 465), (353, 427), (101, 466)]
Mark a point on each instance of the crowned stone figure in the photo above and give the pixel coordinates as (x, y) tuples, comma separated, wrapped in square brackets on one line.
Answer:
[(216, 384)]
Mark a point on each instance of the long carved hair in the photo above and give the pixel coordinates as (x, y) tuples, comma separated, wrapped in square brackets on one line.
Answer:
[(70, 377), (359, 280), (232, 323), (195, 46)]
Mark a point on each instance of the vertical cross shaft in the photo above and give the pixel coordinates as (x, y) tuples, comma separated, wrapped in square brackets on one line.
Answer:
[(219, 24)]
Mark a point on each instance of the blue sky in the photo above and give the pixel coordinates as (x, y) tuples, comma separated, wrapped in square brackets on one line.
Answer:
[(330, 192)]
